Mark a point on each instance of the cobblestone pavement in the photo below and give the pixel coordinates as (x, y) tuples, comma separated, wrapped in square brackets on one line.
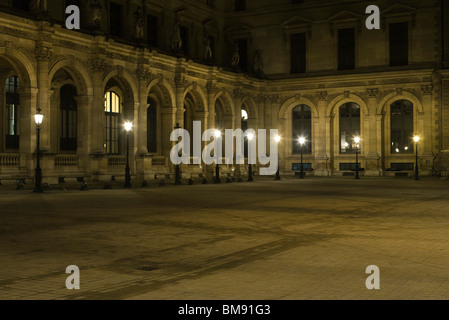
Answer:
[(288, 240)]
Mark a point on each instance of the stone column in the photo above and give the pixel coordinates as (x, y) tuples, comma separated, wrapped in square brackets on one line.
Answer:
[(329, 142), (427, 143), (180, 84), (97, 118), (140, 113), (28, 134), (83, 139), (372, 159), (320, 137), (43, 54)]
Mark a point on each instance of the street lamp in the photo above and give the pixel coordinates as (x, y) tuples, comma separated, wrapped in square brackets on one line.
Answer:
[(357, 141), (302, 141), (416, 139), (38, 118), (128, 128), (217, 167), (250, 171), (277, 138)]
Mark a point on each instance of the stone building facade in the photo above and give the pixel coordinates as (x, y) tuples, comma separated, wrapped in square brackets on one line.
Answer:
[(307, 68)]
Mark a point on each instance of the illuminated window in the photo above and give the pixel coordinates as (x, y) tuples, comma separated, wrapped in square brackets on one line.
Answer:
[(112, 129), (244, 128), (301, 127), (12, 113), (349, 126)]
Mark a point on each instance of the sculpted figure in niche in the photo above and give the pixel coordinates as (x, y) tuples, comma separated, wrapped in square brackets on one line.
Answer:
[(236, 56), (138, 16), (208, 51), (95, 12), (37, 5), (176, 40), (258, 62)]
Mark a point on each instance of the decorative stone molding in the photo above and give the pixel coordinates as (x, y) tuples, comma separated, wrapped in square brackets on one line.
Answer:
[(42, 54), (211, 88), (274, 98), (372, 92), (426, 89), (181, 82), (321, 95), (98, 65)]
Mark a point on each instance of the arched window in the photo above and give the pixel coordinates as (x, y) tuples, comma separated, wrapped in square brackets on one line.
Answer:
[(12, 113), (68, 108), (349, 126), (112, 129), (301, 127), (401, 113), (152, 125), (244, 128)]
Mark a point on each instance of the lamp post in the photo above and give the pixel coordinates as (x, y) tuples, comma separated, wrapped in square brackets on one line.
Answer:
[(357, 141), (250, 170), (38, 118), (177, 170), (416, 139), (128, 128), (217, 167), (278, 139), (302, 141)]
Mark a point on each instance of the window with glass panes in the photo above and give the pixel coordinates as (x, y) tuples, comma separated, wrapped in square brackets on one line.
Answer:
[(112, 110), (301, 127), (349, 126), (12, 113), (68, 109), (401, 118), (152, 125)]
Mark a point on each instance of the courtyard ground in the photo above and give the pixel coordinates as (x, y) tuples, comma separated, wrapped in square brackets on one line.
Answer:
[(283, 240)]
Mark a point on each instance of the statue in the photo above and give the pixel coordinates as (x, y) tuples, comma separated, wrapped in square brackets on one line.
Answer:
[(138, 16), (208, 51), (36, 5), (258, 62), (176, 43), (236, 56), (95, 12)]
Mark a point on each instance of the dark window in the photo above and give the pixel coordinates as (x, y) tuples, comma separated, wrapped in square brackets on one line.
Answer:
[(112, 129), (21, 4), (12, 113), (349, 126), (240, 5), (243, 53), (152, 126), (153, 30), (399, 44), (72, 3), (115, 19), (301, 128), (184, 31), (401, 127), (348, 166), (305, 166), (402, 166), (68, 107), (298, 53), (346, 49)]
